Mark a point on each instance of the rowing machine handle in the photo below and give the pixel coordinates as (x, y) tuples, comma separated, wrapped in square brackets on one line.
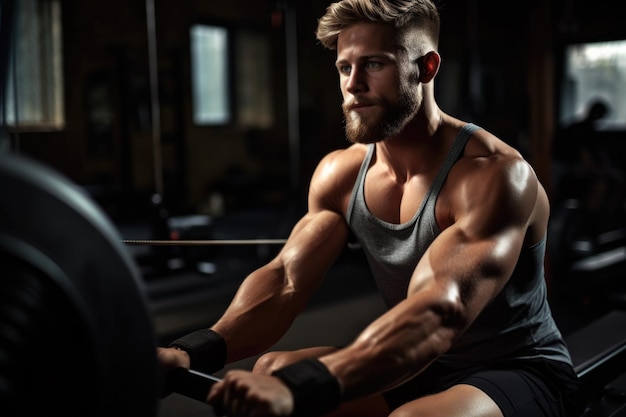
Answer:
[(190, 383)]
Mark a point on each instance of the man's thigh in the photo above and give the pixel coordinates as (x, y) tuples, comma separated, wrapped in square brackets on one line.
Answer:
[(458, 401), (493, 392), (518, 393)]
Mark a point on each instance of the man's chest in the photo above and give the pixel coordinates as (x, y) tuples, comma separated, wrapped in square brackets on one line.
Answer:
[(399, 202)]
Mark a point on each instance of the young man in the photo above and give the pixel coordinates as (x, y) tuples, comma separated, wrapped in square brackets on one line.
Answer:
[(453, 222)]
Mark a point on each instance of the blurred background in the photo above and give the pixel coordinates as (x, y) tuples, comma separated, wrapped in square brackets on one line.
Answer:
[(200, 119)]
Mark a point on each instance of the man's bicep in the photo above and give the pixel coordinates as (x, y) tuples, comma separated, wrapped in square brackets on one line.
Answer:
[(500, 199), (476, 255), (457, 276), (489, 230)]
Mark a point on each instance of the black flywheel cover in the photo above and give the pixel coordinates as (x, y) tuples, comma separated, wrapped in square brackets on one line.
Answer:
[(76, 337)]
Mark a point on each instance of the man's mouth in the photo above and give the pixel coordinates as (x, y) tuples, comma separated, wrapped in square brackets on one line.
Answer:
[(359, 105)]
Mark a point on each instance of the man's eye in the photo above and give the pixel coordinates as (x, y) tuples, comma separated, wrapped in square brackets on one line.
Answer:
[(344, 69), (374, 65)]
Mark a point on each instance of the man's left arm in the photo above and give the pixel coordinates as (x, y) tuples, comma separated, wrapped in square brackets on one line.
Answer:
[(461, 272)]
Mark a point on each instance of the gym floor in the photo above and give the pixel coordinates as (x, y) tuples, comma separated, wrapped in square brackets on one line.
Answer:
[(190, 297)]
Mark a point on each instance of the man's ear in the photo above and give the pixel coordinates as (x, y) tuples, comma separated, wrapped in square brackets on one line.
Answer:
[(428, 66)]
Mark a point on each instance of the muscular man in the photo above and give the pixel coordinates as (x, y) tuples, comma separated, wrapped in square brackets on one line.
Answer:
[(453, 223)]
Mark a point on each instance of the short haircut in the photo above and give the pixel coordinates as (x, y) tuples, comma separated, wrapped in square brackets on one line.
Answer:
[(401, 14)]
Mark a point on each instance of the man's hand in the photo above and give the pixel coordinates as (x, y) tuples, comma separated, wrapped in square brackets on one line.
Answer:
[(171, 358), (242, 393)]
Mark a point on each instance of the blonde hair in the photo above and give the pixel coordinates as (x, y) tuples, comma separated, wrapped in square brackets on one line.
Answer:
[(401, 14)]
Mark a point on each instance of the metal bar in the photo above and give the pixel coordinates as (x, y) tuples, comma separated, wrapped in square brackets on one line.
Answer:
[(149, 242)]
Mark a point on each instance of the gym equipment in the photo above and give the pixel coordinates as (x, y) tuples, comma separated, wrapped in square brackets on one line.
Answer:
[(75, 335), (598, 352), (204, 242)]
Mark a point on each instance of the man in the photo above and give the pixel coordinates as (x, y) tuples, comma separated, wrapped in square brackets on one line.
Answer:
[(453, 222)]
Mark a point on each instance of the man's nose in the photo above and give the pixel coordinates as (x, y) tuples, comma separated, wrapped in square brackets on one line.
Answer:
[(355, 82)]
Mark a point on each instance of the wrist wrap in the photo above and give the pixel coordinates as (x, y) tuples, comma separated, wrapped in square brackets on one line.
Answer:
[(206, 350), (315, 390)]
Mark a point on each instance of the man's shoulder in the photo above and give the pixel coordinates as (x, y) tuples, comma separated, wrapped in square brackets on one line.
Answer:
[(336, 175), (346, 160), (488, 159), (485, 144)]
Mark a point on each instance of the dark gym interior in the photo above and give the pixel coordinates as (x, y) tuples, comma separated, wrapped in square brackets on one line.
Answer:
[(103, 93)]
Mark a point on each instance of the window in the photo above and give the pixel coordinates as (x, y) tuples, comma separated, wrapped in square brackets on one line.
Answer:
[(254, 88), (209, 75), (34, 92), (595, 71)]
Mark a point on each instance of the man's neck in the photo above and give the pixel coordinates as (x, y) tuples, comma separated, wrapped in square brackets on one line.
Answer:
[(419, 145)]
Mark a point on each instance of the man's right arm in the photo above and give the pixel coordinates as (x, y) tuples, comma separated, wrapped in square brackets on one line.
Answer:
[(271, 297)]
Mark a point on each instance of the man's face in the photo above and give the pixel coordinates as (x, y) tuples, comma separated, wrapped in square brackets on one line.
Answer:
[(378, 99)]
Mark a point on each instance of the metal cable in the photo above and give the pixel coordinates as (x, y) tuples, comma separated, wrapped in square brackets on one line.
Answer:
[(149, 242)]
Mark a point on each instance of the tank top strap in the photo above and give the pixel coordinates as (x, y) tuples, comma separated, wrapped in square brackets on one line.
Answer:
[(453, 155), (360, 179)]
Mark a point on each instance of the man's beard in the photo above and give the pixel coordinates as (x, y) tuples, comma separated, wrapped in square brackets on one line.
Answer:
[(385, 124)]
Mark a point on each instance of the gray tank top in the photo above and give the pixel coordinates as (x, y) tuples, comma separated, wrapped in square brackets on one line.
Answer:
[(517, 324)]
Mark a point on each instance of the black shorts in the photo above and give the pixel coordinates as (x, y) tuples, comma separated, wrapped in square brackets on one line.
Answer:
[(521, 388)]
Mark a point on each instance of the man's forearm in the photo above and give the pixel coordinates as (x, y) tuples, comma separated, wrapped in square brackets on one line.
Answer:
[(260, 313)]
